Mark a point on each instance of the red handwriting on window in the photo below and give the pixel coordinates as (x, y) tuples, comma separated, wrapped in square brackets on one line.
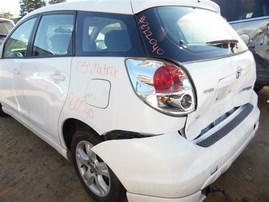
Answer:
[(97, 68), (80, 106), (144, 26)]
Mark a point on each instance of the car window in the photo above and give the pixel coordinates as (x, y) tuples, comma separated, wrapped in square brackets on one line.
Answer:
[(107, 34), (111, 27), (187, 34), (16, 45), (100, 33), (233, 10), (53, 37)]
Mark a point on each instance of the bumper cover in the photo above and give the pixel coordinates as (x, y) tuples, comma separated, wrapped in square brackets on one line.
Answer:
[(169, 167)]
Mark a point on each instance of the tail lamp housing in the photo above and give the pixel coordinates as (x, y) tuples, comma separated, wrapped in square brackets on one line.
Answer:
[(164, 86)]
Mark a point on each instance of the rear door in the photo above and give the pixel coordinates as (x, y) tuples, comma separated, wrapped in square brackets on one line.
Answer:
[(46, 74)]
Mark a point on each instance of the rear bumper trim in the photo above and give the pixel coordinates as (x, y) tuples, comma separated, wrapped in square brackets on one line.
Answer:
[(225, 130)]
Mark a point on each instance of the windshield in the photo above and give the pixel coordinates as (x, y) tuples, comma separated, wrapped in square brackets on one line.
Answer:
[(5, 27), (187, 34)]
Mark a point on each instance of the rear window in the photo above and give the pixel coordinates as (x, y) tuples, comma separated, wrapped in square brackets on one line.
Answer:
[(187, 34), (233, 10)]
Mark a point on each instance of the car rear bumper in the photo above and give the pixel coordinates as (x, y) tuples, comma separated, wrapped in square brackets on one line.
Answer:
[(170, 168), (196, 197)]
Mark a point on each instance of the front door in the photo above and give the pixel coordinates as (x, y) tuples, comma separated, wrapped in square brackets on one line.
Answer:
[(14, 54)]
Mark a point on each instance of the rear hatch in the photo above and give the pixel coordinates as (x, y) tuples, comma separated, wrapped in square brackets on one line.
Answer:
[(222, 87), (216, 61)]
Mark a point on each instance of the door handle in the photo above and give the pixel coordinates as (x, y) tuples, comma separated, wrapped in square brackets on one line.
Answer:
[(57, 76)]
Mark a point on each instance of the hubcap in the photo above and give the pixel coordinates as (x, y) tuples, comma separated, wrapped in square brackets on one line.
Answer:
[(93, 171)]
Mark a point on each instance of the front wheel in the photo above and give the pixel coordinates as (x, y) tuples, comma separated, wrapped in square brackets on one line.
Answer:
[(94, 174), (2, 113)]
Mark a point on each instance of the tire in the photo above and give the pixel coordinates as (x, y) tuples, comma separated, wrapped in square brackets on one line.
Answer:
[(2, 113), (94, 174)]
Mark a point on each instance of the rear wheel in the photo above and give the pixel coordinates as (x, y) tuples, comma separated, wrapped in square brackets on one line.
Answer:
[(94, 174)]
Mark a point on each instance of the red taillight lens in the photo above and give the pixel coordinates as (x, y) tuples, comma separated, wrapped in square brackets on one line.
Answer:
[(167, 78), (164, 86)]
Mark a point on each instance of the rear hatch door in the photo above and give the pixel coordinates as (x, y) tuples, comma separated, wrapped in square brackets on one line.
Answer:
[(217, 61)]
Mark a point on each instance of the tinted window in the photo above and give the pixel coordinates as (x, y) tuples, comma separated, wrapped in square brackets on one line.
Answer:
[(243, 9), (107, 34), (54, 34), (187, 34), (16, 45)]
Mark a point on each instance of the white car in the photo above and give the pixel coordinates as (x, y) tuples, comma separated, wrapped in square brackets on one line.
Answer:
[(5, 27), (149, 99)]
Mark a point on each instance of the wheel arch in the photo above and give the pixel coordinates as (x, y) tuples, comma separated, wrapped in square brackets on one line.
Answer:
[(2, 113), (72, 125)]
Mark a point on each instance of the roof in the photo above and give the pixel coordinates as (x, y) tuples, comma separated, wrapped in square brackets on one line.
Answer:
[(140, 5), (107, 6), (124, 6)]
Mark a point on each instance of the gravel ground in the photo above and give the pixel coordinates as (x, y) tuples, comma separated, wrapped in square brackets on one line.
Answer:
[(32, 171)]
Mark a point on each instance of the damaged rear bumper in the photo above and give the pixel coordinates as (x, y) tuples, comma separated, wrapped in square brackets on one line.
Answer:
[(171, 168)]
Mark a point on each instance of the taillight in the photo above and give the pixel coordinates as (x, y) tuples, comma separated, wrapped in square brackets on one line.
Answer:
[(164, 86), (167, 79)]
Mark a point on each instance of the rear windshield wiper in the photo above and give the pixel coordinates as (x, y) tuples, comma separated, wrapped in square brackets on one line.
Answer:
[(225, 43)]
